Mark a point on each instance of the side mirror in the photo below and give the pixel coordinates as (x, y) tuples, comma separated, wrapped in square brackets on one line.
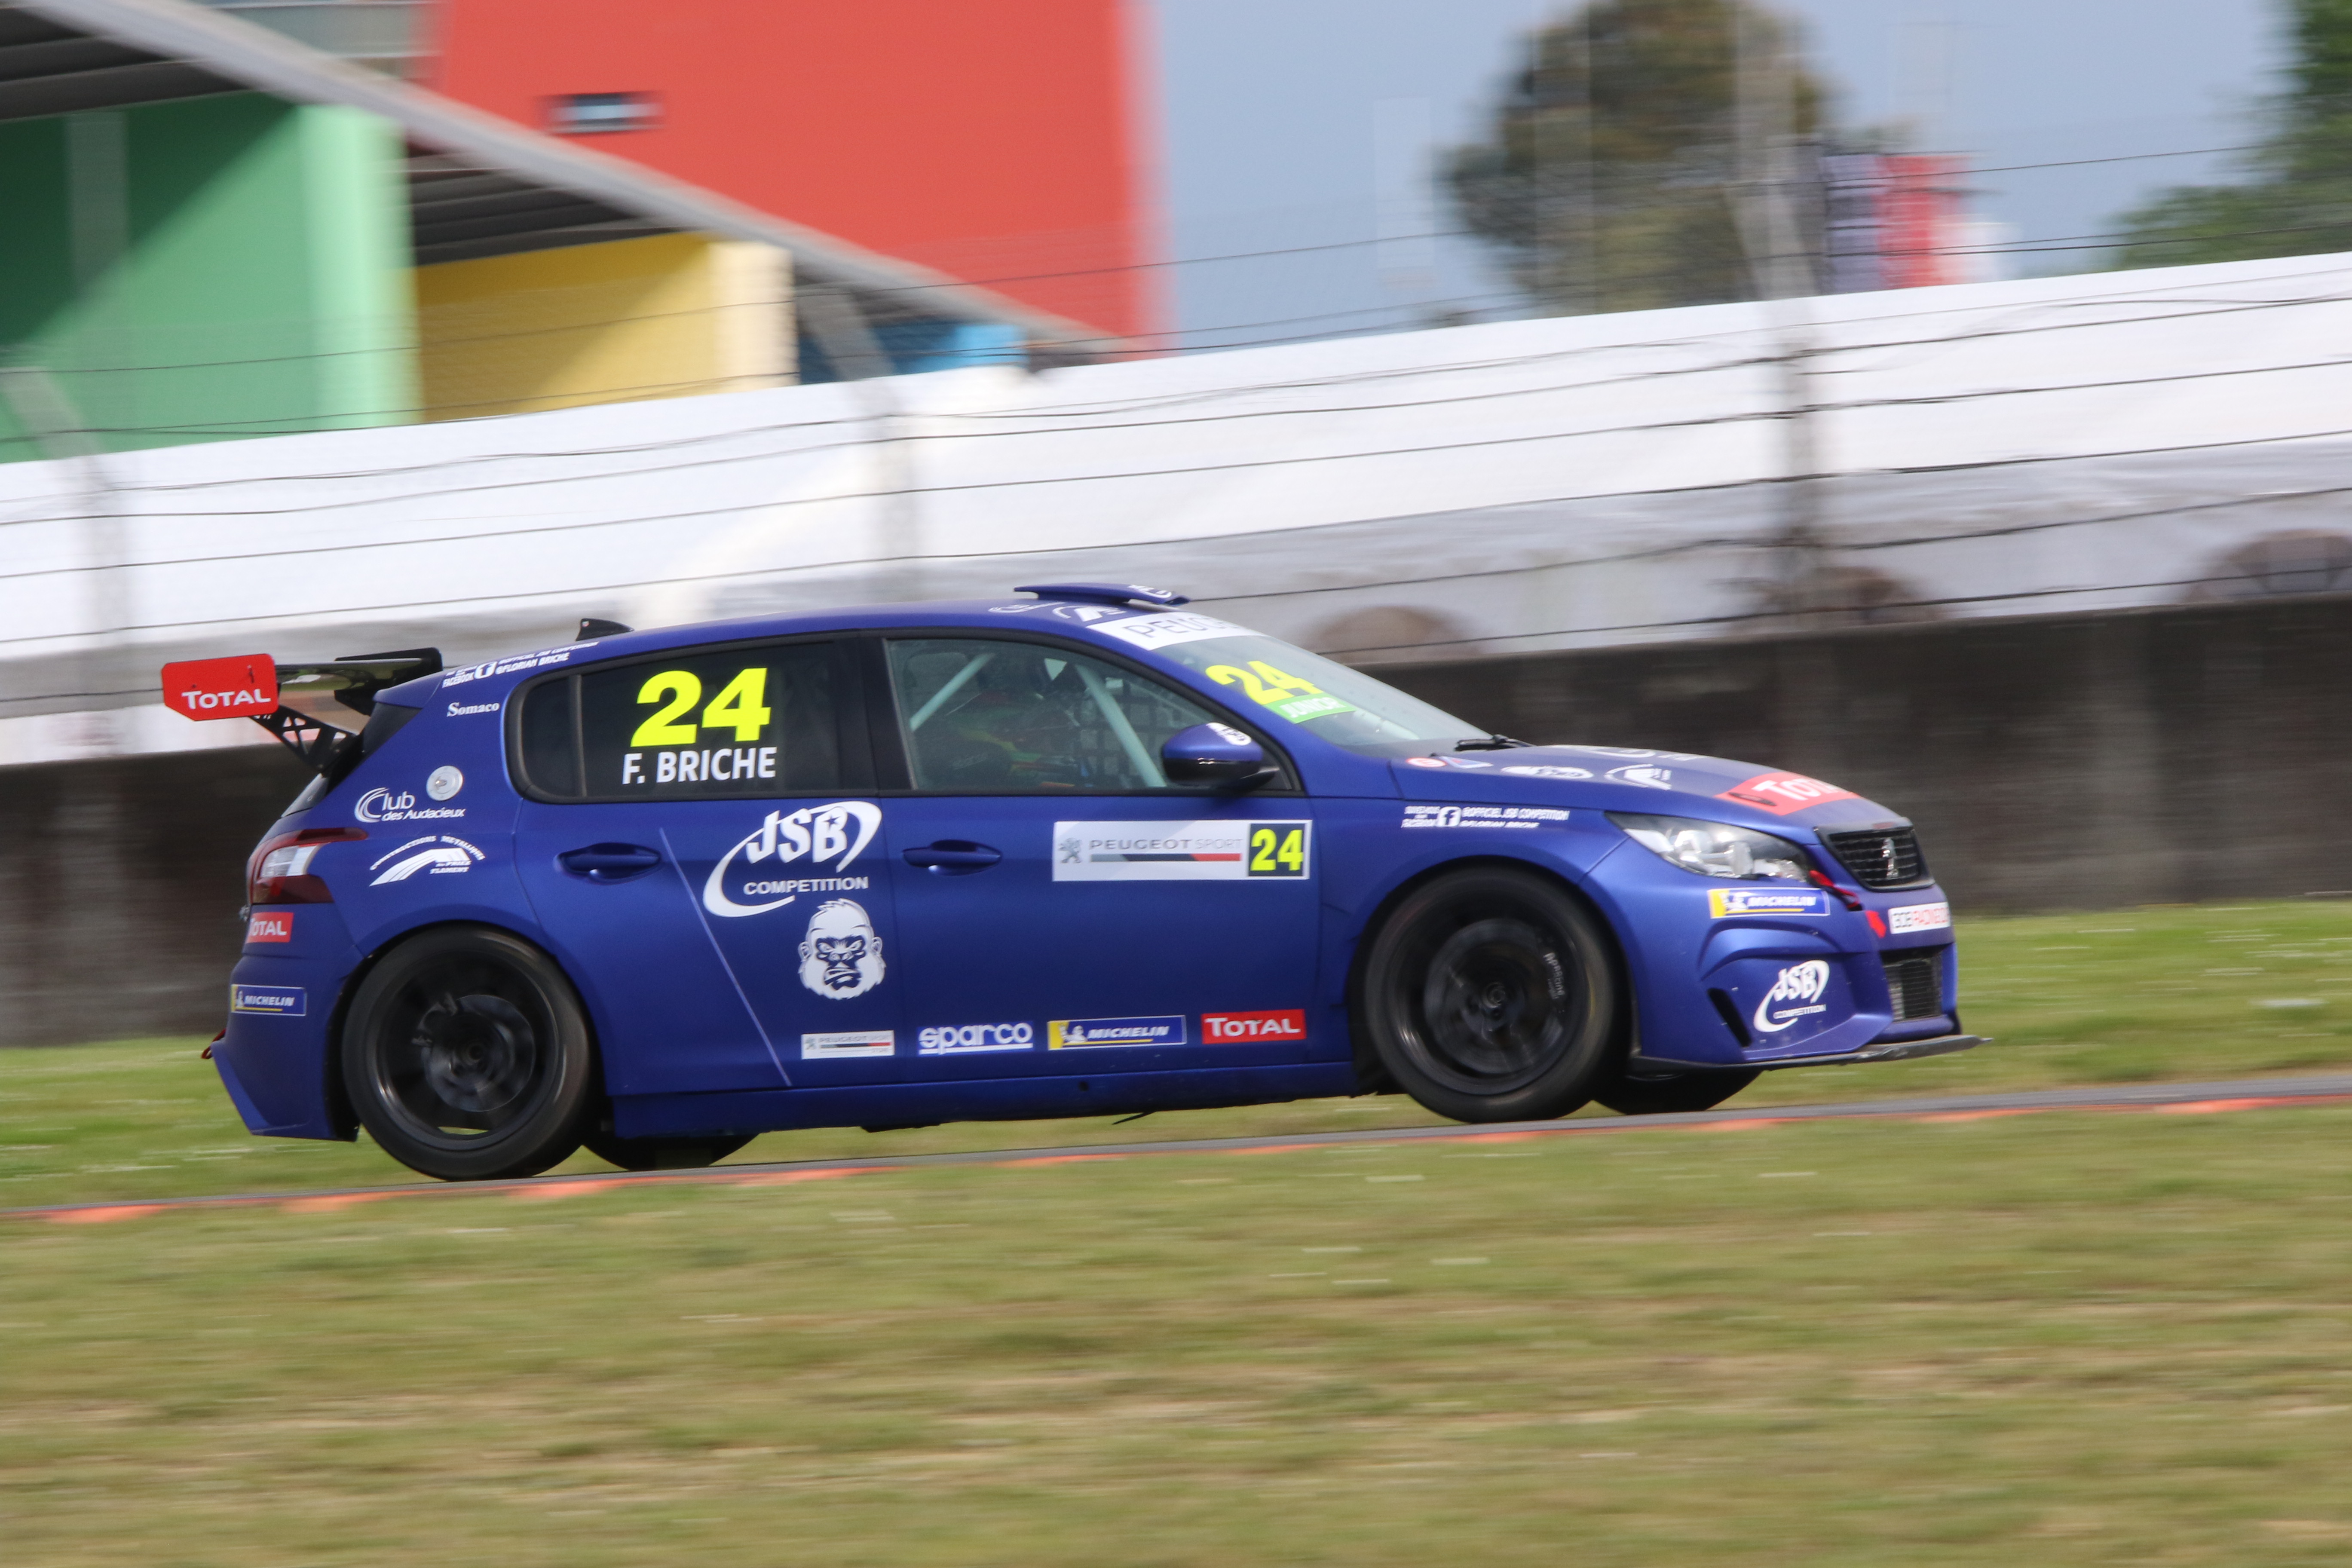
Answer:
[(1216, 754)]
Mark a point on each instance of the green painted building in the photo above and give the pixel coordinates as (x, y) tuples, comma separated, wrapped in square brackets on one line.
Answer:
[(203, 270)]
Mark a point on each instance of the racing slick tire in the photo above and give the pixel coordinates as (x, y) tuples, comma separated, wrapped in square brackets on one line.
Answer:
[(662, 1154), (1490, 994), (467, 1055), (1666, 1093)]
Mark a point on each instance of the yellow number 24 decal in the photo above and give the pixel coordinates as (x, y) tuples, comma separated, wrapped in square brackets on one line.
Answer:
[(684, 689), (1264, 683), (1278, 849), (741, 706)]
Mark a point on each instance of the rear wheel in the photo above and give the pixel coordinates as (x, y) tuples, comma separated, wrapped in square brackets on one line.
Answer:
[(1489, 995), (468, 1058), (1665, 1093), (663, 1153)]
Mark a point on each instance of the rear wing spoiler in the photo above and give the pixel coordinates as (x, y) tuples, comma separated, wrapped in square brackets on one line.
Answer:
[(315, 709)]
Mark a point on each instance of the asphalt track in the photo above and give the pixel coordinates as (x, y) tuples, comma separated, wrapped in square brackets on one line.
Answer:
[(2179, 1099)]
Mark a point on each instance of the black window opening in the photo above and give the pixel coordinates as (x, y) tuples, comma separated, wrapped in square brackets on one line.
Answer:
[(593, 113), (694, 725)]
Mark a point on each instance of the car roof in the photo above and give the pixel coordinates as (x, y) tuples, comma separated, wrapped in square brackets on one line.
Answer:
[(1006, 614)]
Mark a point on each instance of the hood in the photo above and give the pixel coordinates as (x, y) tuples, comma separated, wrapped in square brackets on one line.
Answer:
[(1626, 778)]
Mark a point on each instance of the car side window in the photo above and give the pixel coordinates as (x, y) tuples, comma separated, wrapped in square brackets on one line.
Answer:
[(985, 716), (697, 725)]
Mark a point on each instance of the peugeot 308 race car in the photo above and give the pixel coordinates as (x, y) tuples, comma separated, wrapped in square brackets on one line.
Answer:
[(1070, 855)]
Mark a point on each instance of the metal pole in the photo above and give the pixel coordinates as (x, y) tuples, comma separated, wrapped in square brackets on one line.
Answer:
[(832, 317), (41, 407), (1779, 266)]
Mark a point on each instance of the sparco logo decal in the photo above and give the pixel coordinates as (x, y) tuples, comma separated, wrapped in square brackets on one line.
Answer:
[(951, 1038), (1795, 994), (838, 832)]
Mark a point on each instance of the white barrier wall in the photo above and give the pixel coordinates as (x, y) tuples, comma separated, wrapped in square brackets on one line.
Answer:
[(2062, 444)]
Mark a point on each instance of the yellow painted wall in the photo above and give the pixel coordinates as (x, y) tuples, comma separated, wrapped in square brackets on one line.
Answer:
[(668, 316)]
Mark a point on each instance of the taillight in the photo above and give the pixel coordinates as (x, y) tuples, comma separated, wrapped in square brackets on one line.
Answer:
[(279, 871)]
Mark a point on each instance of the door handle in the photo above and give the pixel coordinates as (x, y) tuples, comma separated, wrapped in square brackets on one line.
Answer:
[(609, 862), (953, 858)]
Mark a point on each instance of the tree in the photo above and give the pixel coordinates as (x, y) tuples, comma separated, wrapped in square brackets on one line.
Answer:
[(2296, 196), (1623, 159)]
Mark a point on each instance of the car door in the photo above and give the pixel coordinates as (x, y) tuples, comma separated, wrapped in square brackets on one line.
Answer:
[(1060, 907), (707, 865)]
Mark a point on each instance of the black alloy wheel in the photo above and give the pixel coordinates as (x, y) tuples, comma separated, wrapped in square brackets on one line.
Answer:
[(1489, 994), (1663, 1094), (467, 1055), (663, 1153)]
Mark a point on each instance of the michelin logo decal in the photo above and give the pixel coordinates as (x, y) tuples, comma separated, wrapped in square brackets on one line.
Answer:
[(1077, 1034), (1723, 901), (838, 833), (285, 1001)]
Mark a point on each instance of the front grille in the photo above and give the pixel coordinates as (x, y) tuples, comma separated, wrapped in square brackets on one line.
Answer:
[(1880, 856), (1915, 980)]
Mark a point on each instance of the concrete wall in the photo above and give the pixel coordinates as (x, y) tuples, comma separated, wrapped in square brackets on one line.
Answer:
[(2060, 762), (206, 269), (119, 883), (2086, 761)]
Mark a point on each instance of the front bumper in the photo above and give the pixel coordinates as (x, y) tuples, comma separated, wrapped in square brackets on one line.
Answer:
[(1893, 1051)]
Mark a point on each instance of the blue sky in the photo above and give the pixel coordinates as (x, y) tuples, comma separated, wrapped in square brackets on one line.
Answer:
[(1295, 124)]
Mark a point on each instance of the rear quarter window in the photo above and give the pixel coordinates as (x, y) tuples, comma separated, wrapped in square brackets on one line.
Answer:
[(692, 725)]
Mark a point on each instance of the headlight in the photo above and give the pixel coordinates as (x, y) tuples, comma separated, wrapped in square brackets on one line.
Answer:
[(1715, 848)]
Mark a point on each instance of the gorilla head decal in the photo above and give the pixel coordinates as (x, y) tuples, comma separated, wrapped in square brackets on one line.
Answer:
[(841, 956)]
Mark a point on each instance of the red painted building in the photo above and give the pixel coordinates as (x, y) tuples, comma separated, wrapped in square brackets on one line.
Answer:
[(1003, 142)]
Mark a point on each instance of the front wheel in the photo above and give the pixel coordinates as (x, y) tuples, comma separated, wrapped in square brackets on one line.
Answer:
[(1666, 1093), (467, 1055), (1489, 995)]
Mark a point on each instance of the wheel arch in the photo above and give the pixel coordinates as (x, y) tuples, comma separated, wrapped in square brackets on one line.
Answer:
[(1370, 1076), (340, 1113)]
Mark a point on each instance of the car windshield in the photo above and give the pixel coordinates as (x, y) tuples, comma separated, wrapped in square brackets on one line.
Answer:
[(1343, 706)]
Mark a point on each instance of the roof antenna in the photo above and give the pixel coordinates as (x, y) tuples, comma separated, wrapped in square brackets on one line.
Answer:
[(590, 627)]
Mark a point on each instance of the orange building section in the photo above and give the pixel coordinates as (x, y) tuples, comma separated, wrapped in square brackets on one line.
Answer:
[(999, 141)]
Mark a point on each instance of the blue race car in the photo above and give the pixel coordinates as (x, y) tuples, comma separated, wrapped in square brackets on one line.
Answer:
[(1076, 854)]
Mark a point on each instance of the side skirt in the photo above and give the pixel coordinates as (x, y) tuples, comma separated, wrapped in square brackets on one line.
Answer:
[(997, 1099)]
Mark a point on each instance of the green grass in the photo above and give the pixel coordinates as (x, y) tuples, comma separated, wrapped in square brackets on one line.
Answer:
[(2062, 1340), (2176, 993)]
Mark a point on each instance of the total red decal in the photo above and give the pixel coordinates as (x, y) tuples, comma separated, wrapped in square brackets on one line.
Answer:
[(1782, 794), (270, 925), (1232, 1028), (245, 687)]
